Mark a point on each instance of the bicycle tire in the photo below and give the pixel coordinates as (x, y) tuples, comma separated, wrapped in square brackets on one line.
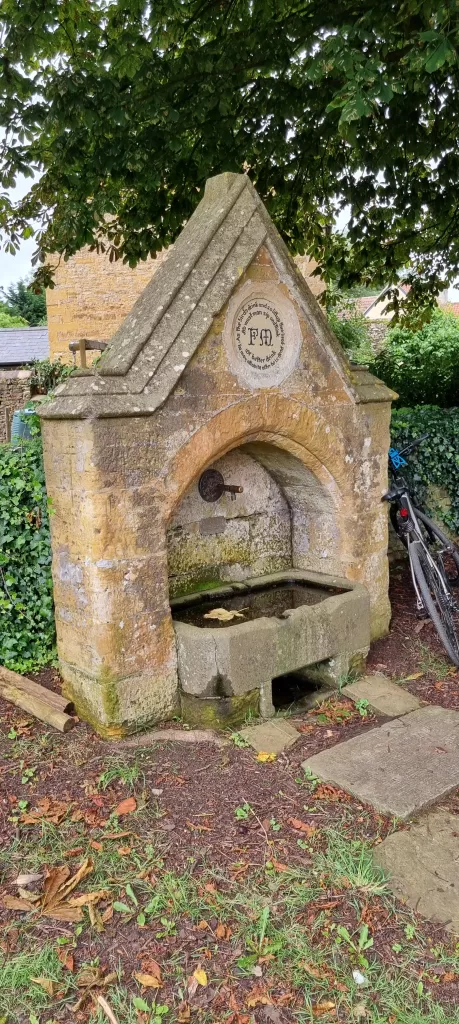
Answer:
[(432, 528), (434, 600)]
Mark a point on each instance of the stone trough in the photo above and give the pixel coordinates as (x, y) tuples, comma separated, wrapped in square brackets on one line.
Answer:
[(226, 669)]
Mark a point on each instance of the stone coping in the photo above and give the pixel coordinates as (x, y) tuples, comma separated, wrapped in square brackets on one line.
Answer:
[(227, 590)]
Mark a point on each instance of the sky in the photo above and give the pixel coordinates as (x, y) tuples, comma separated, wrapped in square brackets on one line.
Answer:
[(14, 268)]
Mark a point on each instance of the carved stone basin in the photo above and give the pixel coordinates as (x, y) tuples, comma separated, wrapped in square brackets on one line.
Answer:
[(289, 621)]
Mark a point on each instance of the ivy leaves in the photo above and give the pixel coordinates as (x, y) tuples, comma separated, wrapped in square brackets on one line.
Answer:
[(433, 469), (26, 602)]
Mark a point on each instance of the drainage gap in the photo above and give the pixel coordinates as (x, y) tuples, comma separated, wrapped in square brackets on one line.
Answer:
[(294, 688)]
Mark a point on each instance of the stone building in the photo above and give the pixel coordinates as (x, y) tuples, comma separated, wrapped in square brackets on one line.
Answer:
[(18, 347), (225, 362), (92, 296)]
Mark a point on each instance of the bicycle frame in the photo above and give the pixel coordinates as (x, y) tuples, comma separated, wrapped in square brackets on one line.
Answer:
[(408, 529)]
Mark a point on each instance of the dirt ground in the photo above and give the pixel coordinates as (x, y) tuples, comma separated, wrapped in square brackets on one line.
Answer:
[(190, 882)]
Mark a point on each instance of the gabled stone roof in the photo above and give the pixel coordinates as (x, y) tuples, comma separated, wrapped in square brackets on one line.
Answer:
[(149, 352)]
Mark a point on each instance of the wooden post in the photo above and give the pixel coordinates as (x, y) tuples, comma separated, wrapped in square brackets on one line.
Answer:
[(82, 347)]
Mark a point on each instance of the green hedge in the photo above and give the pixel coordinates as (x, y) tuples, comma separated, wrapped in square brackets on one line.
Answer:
[(422, 366), (434, 466), (26, 597)]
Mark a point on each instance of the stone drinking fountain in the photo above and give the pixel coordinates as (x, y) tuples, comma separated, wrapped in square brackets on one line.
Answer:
[(216, 484)]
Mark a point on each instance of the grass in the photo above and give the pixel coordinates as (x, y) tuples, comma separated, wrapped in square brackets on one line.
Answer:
[(433, 664), (296, 932), (116, 771), (271, 923), (19, 995)]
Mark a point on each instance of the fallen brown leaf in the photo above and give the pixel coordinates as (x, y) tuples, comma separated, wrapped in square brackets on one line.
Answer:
[(27, 879), (183, 1013), (64, 913), (325, 1007), (126, 806), (147, 980), (93, 977), (151, 966), (55, 879), (302, 826), (46, 810), (277, 866), (87, 898), (66, 958), (14, 903), (117, 835), (258, 997), (95, 918), (324, 792), (46, 984), (198, 828)]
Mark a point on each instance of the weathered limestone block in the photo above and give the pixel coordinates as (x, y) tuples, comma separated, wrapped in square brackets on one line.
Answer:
[(226, 360)]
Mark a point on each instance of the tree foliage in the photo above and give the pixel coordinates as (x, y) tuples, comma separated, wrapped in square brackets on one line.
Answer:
[(423, 365), (10, 320), (20, 300), (126, 107)]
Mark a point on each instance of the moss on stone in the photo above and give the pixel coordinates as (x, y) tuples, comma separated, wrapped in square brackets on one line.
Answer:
[(110, 730), (218, 712)]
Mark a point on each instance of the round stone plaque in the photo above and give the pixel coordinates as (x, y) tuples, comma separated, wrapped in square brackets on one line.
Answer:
[(262, 335)]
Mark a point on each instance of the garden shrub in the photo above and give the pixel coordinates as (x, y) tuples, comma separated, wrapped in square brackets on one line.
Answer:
[(350, 327), (422, 365), (432, 469), (26, 596), (47, 374)]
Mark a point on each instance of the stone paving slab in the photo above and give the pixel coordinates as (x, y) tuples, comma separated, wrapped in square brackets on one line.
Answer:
[(424, 867), (271, 737), (399, 767), (384, 697)]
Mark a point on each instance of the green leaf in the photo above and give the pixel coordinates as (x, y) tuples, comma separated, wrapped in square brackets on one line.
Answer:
[(439, 56), (130, 892), (140, 1004), (122, 908)]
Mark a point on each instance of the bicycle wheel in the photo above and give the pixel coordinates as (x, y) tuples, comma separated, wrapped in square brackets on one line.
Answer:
[(434, 533), (436, 601)]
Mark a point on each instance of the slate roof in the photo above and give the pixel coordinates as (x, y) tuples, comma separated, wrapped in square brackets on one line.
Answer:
[(149, 352), (20, 345)]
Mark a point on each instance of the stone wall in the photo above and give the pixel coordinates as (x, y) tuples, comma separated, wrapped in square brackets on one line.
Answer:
[(230, 540), (377, 330), (92, 297), (14, 393)]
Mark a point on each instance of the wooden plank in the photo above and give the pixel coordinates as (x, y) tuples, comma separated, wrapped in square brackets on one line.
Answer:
[(55, 700), (38, 708)]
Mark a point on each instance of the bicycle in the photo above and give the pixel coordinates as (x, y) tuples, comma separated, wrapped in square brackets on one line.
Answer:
[(434, 558)]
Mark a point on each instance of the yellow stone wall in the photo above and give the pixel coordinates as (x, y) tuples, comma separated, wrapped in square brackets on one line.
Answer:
[(92, 297)]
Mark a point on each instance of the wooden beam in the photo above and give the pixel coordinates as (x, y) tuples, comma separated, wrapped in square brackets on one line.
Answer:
[(56, 700)]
